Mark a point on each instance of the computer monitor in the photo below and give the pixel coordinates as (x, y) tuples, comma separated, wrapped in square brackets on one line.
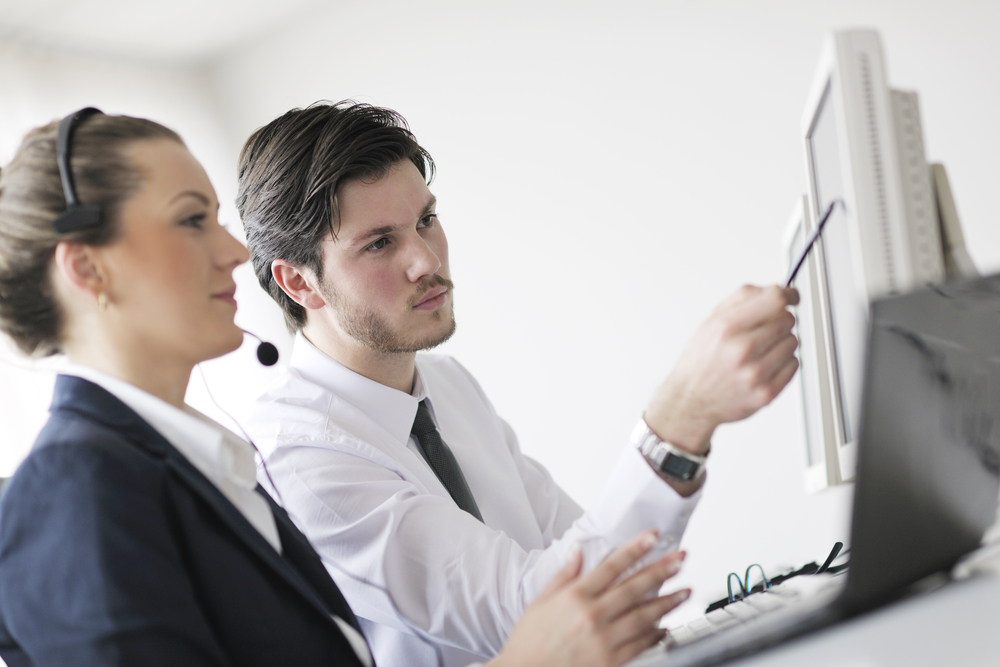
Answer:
[(864, 150)]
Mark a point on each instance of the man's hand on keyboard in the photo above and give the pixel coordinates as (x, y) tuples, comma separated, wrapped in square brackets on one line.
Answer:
[(596, 620)]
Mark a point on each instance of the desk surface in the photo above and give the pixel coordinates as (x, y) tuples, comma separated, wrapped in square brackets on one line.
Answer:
[(957, 625)]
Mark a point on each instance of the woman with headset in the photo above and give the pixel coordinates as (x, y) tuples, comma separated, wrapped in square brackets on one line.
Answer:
[(135, 533)]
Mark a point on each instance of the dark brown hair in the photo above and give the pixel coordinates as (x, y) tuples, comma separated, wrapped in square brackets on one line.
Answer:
[(290, 171), (31, 197)]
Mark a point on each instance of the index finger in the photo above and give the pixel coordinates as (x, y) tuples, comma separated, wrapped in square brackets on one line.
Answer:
[(764, 306), (621, 559)]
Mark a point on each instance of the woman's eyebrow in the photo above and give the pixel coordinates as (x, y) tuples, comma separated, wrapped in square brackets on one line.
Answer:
[(192, 193)]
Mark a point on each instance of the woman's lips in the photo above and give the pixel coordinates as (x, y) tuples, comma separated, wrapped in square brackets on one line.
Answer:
[(229, 295)]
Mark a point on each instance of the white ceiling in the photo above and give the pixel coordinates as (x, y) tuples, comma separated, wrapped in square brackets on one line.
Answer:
[(178, 31)]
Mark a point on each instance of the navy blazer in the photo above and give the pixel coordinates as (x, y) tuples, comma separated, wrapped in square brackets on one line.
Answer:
[(115, 550)]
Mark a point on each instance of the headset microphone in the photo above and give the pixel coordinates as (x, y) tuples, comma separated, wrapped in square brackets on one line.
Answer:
[(267, 353)]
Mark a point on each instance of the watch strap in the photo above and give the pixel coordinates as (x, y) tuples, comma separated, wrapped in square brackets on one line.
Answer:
[(668, 460)]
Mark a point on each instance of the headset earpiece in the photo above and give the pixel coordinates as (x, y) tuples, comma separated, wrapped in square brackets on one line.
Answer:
[(77, 216)]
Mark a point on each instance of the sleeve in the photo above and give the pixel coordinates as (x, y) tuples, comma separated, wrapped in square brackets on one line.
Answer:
[(554, 510), (89, 572), (415, 562)]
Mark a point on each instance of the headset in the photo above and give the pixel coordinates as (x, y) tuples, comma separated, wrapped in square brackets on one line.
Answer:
[(79, 216)]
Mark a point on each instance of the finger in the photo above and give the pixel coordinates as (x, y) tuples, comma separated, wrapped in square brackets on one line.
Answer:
[(633, 591), (767, 392), (617, 562), (566, 574), (770, 333), (777, 358), (763, 306), (635, 623), (782, 377)]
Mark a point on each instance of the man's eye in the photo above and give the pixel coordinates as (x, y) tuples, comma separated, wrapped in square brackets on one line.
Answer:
[(427, 220), (197, 220), (378, 245)]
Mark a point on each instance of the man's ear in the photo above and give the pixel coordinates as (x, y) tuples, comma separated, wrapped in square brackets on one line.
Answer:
[(297, 284), (79, 266)]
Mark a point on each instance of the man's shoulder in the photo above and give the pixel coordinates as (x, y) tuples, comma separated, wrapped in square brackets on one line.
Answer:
[(295, 411), (288, 399), (448, 382), (441, 371), (290, 386), (443, 365)]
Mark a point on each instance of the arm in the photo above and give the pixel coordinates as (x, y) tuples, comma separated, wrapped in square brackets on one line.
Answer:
[(554, 510), (739, 360), (465, 584), (460, 581), (632, 499), (89, 574)]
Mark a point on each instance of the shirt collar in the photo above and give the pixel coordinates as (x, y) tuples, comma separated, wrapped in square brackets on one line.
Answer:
[(215, 451), (390, 408)]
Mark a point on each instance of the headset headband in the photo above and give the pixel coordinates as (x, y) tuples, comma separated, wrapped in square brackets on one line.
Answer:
[(77, 216)]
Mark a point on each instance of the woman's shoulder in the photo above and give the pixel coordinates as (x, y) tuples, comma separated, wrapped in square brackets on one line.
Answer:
[(83, 460), (76, 435)]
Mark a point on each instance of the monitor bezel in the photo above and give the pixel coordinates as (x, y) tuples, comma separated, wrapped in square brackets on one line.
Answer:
[(825, 473)]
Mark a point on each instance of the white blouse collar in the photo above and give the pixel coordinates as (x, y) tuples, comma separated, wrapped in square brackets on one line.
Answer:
[(220, 455)]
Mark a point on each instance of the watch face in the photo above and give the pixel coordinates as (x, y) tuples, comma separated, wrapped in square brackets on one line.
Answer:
[(678, 467)]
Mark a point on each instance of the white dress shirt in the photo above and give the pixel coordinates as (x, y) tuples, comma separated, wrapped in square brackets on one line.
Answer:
[(407, 559), (219, 454)]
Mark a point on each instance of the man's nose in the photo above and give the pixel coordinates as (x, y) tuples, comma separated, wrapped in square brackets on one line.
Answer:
[(422, 260)]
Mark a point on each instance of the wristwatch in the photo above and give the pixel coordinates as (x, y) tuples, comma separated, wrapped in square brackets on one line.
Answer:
[(669, 461)]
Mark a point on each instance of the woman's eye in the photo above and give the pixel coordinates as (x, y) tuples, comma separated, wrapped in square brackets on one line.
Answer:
[(197, 220), (427, 221), (379, 244)]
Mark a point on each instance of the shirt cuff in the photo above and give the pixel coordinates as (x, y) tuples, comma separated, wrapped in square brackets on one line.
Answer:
[(636, 499)]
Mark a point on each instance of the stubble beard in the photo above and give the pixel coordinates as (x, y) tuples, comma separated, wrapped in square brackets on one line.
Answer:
[(372, 330)]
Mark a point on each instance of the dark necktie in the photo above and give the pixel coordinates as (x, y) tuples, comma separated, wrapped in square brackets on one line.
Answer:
[(442, 461)]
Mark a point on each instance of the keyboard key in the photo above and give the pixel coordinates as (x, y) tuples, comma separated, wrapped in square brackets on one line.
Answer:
[(784, 590), (699, 624), (680, 636), (743, 610), (766, 601), (721, 617)]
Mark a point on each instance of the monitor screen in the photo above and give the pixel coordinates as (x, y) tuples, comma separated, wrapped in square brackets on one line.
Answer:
[(848, 303)]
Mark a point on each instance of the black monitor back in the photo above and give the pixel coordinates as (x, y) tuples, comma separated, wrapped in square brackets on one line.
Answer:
[(929, 452)]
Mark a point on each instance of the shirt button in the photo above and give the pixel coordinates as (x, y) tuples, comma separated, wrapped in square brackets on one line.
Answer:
[(670, 539)]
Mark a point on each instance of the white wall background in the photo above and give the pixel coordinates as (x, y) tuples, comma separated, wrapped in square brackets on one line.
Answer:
[(607, 173)]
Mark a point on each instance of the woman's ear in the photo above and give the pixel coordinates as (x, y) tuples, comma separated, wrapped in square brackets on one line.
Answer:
[(297, 284), (78, 265)]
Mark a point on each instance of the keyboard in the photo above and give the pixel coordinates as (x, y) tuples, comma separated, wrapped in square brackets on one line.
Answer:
[(748, 610), (780, 604)]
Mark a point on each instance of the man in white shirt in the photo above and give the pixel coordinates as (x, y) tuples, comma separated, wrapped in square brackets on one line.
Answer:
[(395, 465)]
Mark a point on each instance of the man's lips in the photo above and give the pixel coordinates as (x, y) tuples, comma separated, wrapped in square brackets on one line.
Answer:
[(229, 295), (433, 300)]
